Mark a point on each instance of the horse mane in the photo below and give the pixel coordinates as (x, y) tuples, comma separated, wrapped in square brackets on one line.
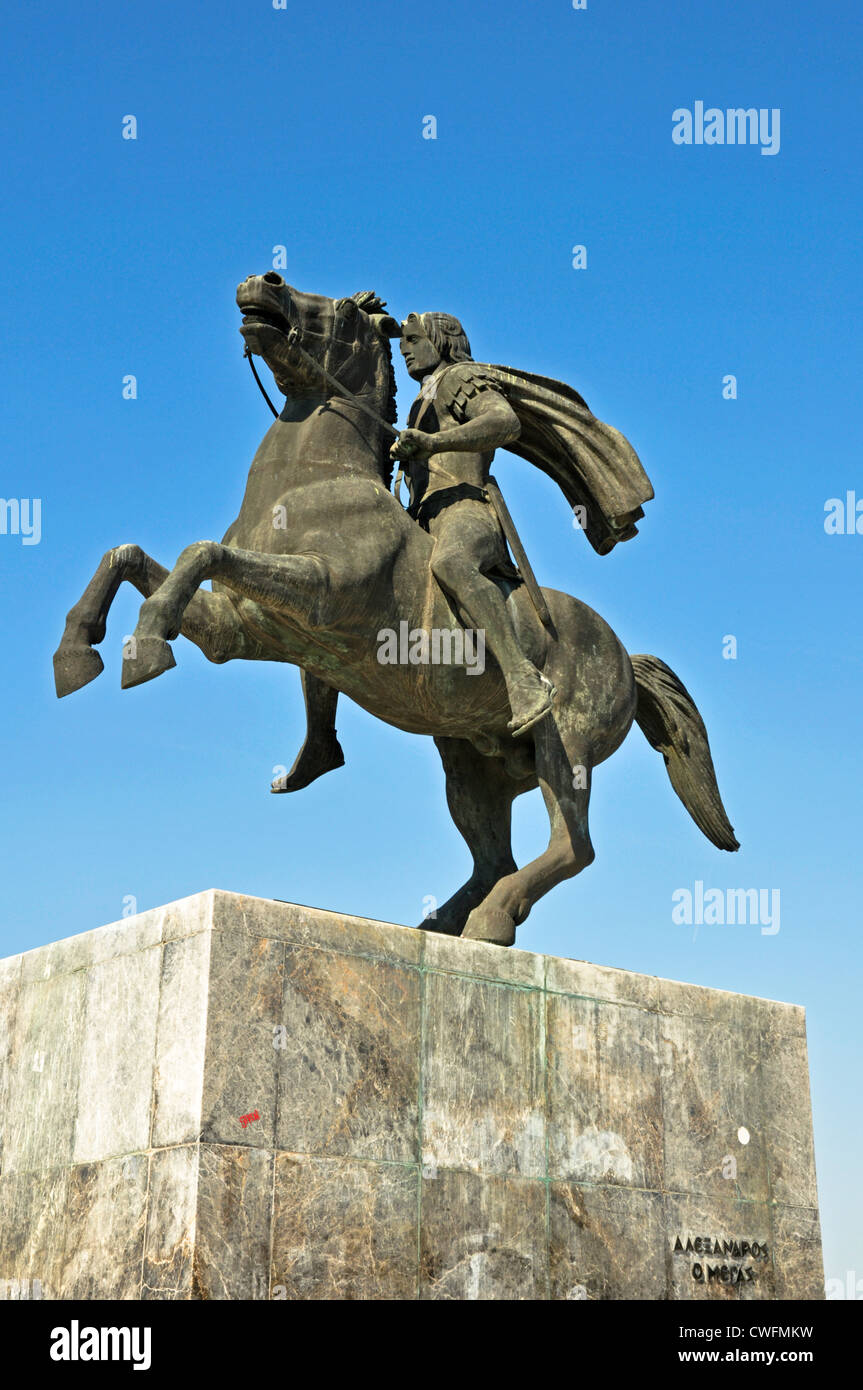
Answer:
[(370, 304)]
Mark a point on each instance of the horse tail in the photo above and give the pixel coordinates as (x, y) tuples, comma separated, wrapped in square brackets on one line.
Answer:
[(669, 720)]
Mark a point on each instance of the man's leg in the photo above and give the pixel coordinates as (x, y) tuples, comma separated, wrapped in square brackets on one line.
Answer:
[(467, 542), (321, 751)]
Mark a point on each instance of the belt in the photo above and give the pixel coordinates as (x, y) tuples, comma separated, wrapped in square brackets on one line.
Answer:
[(433, 503)]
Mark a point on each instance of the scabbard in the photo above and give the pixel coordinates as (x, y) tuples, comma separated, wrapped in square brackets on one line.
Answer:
[(523, 564)]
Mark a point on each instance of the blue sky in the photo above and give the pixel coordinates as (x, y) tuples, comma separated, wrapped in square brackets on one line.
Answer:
[(303, 127)]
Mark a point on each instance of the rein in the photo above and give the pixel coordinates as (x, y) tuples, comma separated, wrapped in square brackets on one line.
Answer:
[(248, 353)]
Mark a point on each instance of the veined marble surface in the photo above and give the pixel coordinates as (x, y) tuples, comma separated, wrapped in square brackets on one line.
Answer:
[(436, 1119)]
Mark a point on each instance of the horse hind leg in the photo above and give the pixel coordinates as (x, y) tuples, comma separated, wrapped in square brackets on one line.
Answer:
[(480, 794), (564, 772)]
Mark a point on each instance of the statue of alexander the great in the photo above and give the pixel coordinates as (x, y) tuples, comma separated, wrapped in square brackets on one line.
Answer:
[(321, 559)]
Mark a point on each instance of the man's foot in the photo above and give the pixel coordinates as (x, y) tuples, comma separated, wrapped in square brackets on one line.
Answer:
[(531, 698), (313, 760)]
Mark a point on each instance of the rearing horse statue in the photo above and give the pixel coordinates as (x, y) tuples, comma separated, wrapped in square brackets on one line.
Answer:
[(322, 558)]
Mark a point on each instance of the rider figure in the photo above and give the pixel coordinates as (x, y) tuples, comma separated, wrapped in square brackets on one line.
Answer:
[(458, 420)]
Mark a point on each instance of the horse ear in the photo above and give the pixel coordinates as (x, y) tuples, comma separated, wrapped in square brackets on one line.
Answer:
[(387, 326)]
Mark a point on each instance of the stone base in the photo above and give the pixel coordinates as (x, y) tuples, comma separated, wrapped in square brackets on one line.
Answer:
[(433, 1118)]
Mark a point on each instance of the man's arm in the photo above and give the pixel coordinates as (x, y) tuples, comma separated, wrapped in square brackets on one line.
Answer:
[(491, 424)]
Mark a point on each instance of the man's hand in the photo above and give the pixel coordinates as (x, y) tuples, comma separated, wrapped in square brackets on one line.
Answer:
[(412, 444)]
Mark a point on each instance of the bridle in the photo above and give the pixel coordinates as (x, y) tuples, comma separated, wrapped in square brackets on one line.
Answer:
[(293, 337)]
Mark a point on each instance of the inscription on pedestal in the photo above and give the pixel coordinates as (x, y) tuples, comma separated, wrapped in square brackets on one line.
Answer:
[(707, 1247)]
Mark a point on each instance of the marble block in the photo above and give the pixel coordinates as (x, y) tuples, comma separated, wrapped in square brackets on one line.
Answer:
[(233, 1098)]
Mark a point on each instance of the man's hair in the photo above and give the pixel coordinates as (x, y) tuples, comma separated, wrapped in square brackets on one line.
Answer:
[(446, 334)]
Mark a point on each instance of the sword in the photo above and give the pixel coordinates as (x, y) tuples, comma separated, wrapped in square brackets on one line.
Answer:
[(508, 527)]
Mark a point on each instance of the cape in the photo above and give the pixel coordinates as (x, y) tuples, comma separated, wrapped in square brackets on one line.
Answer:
[(594, 466)]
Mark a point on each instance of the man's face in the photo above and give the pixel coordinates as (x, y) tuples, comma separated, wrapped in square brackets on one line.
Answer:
[(420, 354)]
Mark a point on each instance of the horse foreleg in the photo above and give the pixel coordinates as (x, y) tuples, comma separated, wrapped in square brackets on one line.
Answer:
[(479, 794), (75, 661), (210, 620), (293, 585), (564, 779)]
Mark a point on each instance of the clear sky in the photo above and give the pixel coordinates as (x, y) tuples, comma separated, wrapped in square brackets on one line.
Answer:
[(304, 127)]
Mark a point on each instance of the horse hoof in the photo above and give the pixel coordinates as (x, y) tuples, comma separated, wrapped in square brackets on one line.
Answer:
[(146, 658), (490, 924), (75, 667)]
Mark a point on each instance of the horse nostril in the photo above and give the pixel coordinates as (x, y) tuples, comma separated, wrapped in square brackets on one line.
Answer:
[(273, 278)]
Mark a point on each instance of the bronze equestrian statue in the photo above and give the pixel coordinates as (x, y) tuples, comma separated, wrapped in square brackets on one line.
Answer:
[(323, 560)]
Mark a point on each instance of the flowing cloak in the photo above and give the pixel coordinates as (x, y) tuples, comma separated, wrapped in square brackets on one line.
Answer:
[(592, 464)]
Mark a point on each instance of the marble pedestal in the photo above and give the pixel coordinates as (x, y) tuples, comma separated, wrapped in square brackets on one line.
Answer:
[(433, 1118)]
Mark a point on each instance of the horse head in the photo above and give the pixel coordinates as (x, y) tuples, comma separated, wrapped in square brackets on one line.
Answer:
[(300, 336)]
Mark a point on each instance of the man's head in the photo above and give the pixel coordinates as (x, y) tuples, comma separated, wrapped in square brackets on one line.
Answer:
[(429, 339)]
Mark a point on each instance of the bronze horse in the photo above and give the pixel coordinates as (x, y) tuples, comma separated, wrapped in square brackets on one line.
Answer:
[(322, 558)]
